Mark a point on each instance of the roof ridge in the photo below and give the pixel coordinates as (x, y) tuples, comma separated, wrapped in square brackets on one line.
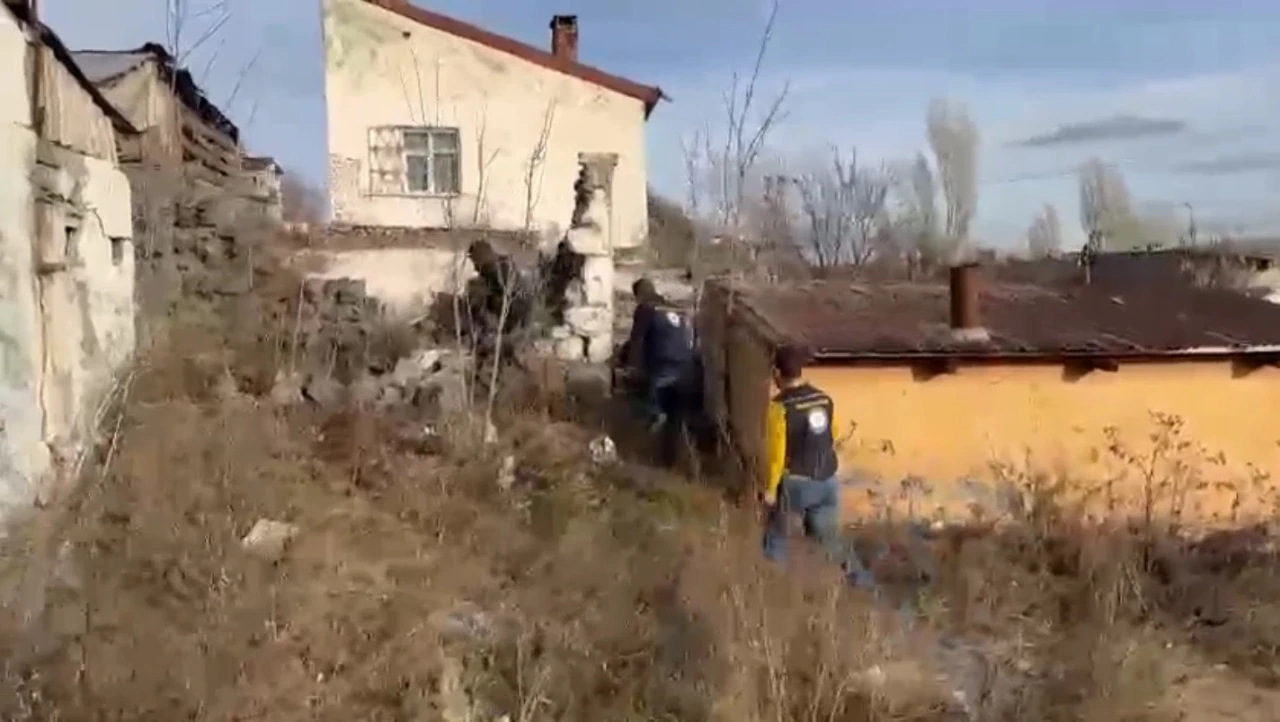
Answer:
[(648, 94)]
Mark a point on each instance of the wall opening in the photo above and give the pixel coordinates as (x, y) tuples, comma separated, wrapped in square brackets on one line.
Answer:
[(117, 250), (71, 243)]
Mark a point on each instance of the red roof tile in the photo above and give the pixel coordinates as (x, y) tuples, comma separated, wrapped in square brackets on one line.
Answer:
[(650, 95), (896, 320)]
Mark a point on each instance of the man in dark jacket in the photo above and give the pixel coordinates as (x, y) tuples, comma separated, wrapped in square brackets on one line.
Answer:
[(503, 306), (660, 350), (559, 271)]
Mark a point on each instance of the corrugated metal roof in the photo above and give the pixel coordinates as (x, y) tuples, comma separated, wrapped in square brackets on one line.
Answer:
[(101, 66), (912, 319)]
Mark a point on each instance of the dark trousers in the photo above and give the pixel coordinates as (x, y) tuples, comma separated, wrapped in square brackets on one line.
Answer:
[(666, 403)]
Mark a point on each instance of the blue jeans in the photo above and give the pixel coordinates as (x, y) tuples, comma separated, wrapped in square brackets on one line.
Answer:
[(818, 504)]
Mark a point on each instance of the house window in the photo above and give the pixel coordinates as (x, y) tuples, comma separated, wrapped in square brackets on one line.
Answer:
[(414, 160), (431, 160)]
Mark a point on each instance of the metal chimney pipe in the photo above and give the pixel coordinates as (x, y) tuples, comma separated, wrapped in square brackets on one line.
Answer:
[(964, 296), (966, 316)]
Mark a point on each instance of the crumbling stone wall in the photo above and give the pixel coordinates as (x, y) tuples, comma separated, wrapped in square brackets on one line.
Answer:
[(194, 245), (586, 333)]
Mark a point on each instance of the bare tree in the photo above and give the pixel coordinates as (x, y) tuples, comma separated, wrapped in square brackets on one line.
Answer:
[(953, 137), (745, 137), (1106, 208), (1044, 237), (912, 232), (535, 167), (484, 161), (721, 174), (841, 207), (1157, 225)]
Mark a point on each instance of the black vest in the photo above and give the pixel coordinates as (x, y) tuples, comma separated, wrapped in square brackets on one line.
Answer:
[(811, 448), (669, 340)]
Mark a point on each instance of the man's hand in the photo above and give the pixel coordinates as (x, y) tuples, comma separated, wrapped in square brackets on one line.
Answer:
[(769, 499)]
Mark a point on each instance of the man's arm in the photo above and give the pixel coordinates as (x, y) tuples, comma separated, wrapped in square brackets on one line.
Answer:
[(640, 322), (775, 445)]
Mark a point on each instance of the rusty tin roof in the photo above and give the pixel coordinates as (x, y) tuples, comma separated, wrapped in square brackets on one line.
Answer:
[(902, 320)]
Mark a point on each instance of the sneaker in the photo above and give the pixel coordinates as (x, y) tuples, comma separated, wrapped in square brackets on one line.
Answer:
[(659, 420)]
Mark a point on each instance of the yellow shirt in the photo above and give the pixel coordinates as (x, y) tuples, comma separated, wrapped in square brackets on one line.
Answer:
[(775, 445)]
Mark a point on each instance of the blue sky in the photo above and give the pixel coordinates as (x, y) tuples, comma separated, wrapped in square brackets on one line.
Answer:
[(1183, 95)]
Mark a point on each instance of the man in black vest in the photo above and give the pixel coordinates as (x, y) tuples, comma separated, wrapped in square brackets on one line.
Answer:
[(801, 461), (660, 349)]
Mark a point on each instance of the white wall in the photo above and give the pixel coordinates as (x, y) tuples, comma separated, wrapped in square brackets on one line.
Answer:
[(382, 69), (49, 391), (405, 279)]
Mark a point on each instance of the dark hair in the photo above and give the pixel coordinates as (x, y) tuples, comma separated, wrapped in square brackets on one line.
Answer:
[(643, 288), (480, 248), (789, 361)]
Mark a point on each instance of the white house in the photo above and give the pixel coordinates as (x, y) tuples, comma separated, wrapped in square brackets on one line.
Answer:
[(66, 254), (437, 123), (263, 180)]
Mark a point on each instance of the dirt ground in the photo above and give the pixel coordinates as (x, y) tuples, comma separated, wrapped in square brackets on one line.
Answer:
[(460, 574)]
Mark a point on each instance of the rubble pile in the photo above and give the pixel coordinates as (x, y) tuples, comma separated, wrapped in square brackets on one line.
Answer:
[(344, 350)]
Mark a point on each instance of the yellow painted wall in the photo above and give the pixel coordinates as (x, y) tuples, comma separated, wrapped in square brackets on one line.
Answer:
[(970, 424)]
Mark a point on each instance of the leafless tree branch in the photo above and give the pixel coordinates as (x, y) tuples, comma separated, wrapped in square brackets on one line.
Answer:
[(1044, 237)]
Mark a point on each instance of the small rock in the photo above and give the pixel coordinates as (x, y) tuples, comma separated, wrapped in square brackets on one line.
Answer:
[(226, 388), (268, 538), (465, 622), (287, 388), (602, 450), (507, 473), (389, 397), (416, 366), (323, 391)]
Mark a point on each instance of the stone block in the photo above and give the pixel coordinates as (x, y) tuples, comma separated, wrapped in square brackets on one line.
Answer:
[(589, 320), (600, 348), (570, 349), (589, 241), (597, 279)]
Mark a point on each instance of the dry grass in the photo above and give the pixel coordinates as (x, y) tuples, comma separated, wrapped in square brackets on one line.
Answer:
[(418, 589)]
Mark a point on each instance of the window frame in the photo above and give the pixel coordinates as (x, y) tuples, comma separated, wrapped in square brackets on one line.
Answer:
[(432, 154)]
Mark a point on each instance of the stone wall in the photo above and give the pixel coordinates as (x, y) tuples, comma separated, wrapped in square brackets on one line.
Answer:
[(66, 272), (586, 333)]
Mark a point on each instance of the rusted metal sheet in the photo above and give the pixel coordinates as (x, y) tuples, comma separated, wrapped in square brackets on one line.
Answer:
[(904, 319)]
